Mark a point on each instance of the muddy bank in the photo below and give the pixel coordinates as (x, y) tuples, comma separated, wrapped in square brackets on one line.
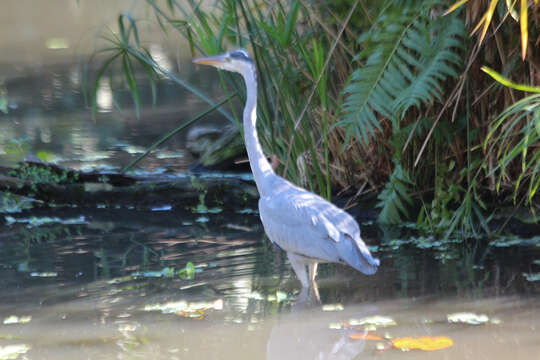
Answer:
[(54, 185)]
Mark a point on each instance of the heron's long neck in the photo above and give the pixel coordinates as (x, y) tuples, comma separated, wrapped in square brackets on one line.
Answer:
[(262, 171)]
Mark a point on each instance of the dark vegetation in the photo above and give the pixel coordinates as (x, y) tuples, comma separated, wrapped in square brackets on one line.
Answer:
[(381, 97), (422, 107), (57, 186)]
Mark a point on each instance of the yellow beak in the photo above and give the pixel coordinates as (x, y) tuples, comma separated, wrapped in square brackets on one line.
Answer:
[(211, 60)]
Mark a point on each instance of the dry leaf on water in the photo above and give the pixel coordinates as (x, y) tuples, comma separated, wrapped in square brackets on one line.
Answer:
[(426, 343)]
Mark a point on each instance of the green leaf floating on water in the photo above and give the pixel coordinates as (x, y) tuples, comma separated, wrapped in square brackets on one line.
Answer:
[(187, 273), (532, 277), (17, 319), (45, 156), (376, 320), (10, 352), (467, 318), (39, 221), (513, 240)]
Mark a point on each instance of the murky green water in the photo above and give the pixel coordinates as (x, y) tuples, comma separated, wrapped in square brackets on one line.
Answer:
[(47, 81), (128, 284), (119, 284)]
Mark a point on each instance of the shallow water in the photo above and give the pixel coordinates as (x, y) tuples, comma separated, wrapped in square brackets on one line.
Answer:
[(47, 73), (103, 287)]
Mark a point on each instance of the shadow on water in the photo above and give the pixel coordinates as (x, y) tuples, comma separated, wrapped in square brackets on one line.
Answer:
[(119, 283)]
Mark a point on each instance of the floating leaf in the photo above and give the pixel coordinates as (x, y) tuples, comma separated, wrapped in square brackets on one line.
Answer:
[(162, 208), (467, 318), (426, 343), (376, 320), (186, 309), (332, 307), (17, 319), (247, 211), (45, 156), (10, 352), (44, 274), (34, 221), (187, 273), (532, 277)]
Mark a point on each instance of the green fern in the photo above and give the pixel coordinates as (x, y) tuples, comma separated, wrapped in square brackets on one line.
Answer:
[(394, 196), (437, 62), (407, 57)]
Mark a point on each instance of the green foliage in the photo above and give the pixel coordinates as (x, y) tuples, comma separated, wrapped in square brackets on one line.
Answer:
[(515, 135), (121, 49), (281, 51), (394, 197), (407, 57), (42, 175), (126, 47), (435, 217), (388, 73)]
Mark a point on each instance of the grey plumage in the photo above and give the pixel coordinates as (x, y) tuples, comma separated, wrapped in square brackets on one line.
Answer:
[(309, 228)]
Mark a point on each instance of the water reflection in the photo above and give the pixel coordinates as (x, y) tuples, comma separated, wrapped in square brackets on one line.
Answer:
[(159, 55), (117, 285), (47, 83), (104, 97), (305, 333)]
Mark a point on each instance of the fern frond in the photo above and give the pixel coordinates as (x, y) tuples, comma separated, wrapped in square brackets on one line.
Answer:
[(438, 61), (407, 57), (394, 196)]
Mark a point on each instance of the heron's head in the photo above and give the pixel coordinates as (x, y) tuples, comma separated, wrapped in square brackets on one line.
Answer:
[(236, 61)]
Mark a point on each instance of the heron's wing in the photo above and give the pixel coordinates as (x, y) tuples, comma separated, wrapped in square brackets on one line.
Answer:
[(305, 223)]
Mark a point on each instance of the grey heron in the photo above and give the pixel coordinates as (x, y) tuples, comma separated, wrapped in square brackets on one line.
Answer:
[(310, 229)]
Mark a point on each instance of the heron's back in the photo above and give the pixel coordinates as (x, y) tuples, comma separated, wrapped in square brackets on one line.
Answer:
[(305, 224)]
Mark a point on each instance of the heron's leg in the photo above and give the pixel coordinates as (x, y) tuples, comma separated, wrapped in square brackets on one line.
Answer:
[(312, 271), (299, 267), (312, 267)]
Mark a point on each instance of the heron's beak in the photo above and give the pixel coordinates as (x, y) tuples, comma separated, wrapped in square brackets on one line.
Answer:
[(211, 60)]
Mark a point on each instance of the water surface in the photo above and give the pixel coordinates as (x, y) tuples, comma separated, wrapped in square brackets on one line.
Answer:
[(106, 286)]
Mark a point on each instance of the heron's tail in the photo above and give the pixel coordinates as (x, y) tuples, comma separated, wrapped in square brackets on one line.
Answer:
[(356, 254)]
